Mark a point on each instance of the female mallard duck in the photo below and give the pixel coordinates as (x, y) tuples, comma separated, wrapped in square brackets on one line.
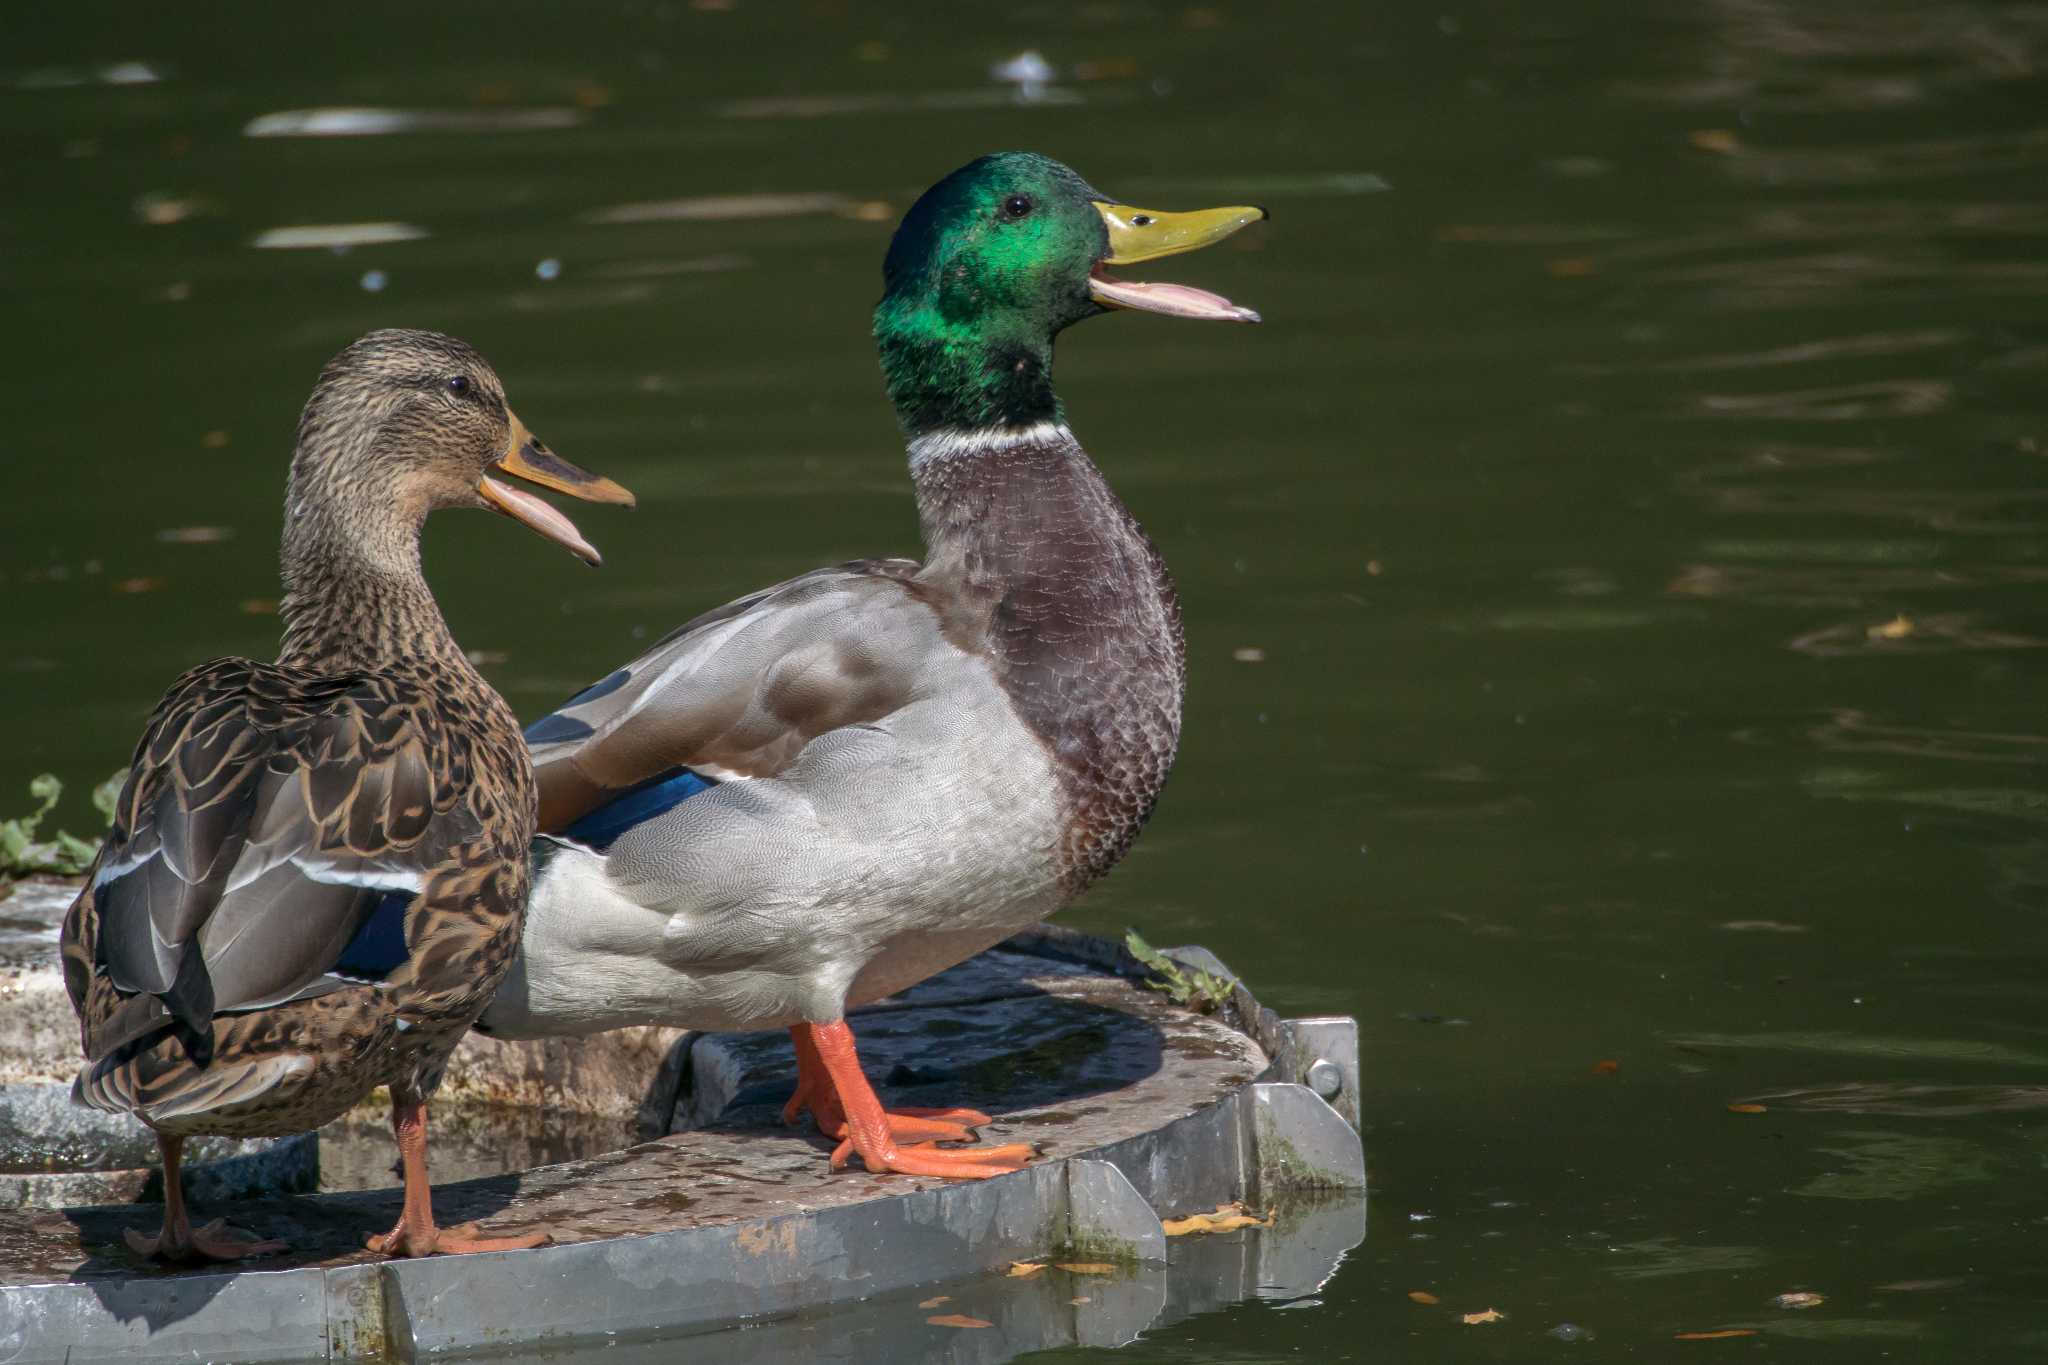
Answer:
[(237, 959), (827, 791)]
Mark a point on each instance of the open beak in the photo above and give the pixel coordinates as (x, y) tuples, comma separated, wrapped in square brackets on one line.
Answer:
[(526, 458), (1145, 235)]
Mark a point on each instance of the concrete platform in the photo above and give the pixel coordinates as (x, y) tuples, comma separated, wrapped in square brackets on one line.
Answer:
[(1140, 1109)]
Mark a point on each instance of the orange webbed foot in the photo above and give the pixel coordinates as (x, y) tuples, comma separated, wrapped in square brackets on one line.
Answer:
[(831, 1086), (924, 1158)]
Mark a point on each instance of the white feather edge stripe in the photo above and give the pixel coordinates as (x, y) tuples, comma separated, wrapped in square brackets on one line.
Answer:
[(939, 445)]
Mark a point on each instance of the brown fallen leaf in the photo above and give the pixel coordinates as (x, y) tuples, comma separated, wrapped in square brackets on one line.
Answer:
[(1898, 628), (1722, 140), (1606, 1066), (1490, 1315), (1224, 1219), (1019, 1269), (934, 1303), (1087, 1267), (1746, 1109), (1714, 1336), (958, 1320), (1799, 1298), (1078, 1302), (1423, 1296)]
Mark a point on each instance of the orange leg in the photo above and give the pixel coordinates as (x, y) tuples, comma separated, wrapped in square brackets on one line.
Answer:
[(815, 1092), (415, 1233), (179, 1241), (835, 1086)]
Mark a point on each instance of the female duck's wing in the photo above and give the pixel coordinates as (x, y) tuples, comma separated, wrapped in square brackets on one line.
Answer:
[(266, 813), (739, 691)]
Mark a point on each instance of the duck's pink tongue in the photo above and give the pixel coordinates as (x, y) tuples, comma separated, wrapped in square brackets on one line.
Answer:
[(1174, 300), (540, 515)]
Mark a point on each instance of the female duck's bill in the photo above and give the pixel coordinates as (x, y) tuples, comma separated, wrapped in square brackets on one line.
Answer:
[(1137, 235), (527, 458)]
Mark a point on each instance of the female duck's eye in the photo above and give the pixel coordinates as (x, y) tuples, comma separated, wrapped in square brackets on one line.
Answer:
[(459, 386), (1017, 205)]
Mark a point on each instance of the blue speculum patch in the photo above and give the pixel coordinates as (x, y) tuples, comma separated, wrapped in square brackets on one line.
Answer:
[(601, 827)]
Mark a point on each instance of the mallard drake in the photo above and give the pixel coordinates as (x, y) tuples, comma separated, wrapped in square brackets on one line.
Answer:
[(316, 868), (825, 792)]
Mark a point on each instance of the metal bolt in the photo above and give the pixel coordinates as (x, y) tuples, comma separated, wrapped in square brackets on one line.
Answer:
[(1324, 1078)]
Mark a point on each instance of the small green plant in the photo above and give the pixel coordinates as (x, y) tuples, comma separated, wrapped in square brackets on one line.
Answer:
[(1204, 992), (22, 854)]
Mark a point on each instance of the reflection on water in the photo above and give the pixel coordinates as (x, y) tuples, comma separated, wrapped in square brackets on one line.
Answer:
[(1633, 502)]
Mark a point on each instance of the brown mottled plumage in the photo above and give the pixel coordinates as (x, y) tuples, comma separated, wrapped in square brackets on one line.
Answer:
[(273, 807)]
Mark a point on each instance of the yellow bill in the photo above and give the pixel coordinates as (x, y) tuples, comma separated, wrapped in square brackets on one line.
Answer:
[(1137, 234)]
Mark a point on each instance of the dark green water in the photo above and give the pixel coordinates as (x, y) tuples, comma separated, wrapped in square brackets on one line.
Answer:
[(1569, 491)]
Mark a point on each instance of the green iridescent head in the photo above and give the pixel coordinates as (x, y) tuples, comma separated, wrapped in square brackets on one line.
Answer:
[(994, 261)]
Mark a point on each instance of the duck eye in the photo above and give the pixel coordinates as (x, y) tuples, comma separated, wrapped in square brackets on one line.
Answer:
[(1141, 220), (1017, 205), (459, 386)]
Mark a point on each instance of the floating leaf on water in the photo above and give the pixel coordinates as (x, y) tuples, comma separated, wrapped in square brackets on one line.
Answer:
[(1746, 1109), (1714, 1336), (214, 440), (1078, 1302), (1480, 1318), (1606, 1066), (1722, 141), (137, 585), (1423, 1296), (1226, 1218), (958, 1320), (1799, 1298), (1249, 654), (1086, 1267), (1898, 628), (1019, 1269), (259, 606), (195, 535), (934, 1303)]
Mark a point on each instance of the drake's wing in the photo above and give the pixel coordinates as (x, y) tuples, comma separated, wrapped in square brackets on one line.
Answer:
[(738, 692)]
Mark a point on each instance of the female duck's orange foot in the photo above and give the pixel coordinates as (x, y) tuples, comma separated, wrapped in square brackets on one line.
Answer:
[(214, 1242), (435, 1241), (924, 1158)]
